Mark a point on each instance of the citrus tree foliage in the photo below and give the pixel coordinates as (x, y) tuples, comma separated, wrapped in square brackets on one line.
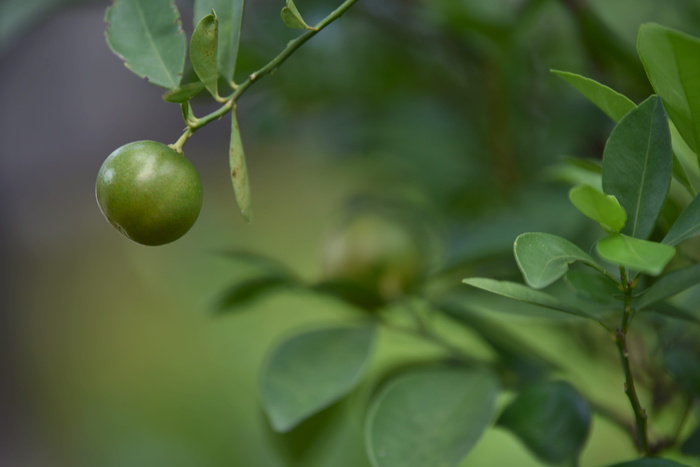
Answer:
[(642, 198)]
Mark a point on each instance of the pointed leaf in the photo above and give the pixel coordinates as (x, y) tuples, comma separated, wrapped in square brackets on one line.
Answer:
[(292, 18), (544, 258), (184, 92), (552, 419), (614, 104), (239, 171), (148, 36), (670, 60), (311, 370), (641, 255), (230, 16), (605, 209), (687, 225), (637, 165), (525, 294), (649, 462), (203, 53), (430, 418), (669, 285)]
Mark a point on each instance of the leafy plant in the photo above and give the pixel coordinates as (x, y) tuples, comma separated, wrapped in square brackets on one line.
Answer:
[(434, 413), (149, 37)]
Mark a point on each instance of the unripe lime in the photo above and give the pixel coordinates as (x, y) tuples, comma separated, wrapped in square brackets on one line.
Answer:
[(377, 252), (151, 193)]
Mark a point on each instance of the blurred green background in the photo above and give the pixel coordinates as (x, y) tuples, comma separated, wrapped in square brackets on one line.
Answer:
[(111, 355)]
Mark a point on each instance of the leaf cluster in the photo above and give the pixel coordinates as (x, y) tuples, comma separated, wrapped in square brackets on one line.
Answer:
[(435, 414)]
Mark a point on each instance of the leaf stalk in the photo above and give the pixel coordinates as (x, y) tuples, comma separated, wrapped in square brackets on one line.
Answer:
[(229, 102)]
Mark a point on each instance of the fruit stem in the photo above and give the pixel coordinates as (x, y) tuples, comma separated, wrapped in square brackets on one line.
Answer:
[(292, 46), (177, 146)]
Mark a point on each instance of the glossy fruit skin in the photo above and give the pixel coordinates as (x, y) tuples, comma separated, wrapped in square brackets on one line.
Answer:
[(149, 192)]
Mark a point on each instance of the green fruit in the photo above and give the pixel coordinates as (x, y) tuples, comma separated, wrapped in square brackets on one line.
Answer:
[(151, 193), (379, 253)]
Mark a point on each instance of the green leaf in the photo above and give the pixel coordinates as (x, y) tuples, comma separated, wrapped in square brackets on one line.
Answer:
[(641, 255), (242, 293), (311, 370), (525, 294), (687, 225), (670, 60), (239, 171), (203, 50), (650, 462), (669, 285), (592, 286), (292, 18), (230, 16), (575, 171), (148, 36), (552, 419), (685, 162), (600, 207), (637, 165), (544, 258), (430, 418), (184, 92), (614, 104)]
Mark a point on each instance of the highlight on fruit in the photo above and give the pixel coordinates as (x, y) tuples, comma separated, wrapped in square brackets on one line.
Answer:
[(149, 192)]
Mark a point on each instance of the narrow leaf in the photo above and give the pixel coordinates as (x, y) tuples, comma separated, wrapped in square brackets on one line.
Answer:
[(525, 294), (311, 370), (552, 419), (544, 258), (637, 165), (614, 104), (670, 60), (239, 171), (650, 462), (148, 36), (203, 50), (292, 18), (230, 16), (430, 418), (669, 285), (184, 92), (686, 226), (605, 209), (641, 255)]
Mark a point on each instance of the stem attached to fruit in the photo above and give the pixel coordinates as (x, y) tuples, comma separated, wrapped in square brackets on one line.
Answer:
[(194, 124)]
